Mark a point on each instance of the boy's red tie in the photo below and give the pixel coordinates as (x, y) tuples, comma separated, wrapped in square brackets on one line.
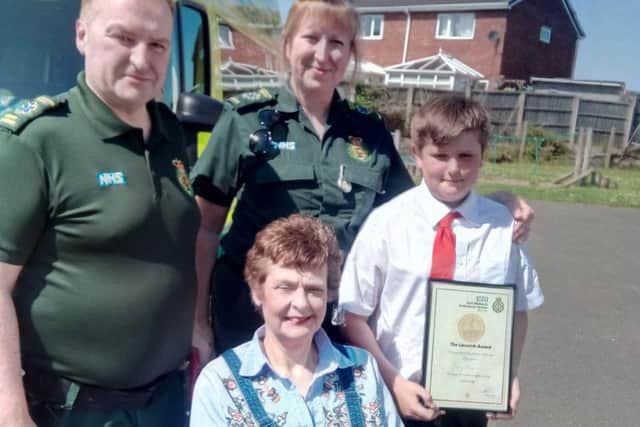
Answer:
[(443, 257)]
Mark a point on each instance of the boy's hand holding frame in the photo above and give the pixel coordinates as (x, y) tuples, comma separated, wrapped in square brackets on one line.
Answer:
[(413, 400)]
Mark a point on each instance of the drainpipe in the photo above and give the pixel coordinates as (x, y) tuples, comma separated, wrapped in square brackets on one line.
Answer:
[(406, 35), (575, 59)]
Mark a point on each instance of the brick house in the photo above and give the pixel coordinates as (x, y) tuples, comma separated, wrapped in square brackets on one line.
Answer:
[(500, 39), (238, 47)]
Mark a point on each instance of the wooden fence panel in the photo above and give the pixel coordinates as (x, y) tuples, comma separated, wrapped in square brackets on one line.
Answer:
[(561, 114)]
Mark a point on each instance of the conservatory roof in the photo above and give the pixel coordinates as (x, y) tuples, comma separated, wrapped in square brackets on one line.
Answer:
[(440, 63), (240, 76)]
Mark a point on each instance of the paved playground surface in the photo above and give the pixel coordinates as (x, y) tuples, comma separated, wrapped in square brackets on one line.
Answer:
[(581, 364)]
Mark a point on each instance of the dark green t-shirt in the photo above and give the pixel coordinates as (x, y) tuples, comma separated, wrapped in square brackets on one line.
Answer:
[(104, 225), (304, 176)]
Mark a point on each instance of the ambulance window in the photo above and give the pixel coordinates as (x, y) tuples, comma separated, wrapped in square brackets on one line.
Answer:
[(172, 82), (188, 70), (38, 53)]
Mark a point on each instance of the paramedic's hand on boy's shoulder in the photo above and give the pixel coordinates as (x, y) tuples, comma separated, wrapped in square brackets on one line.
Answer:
[(522, 212)]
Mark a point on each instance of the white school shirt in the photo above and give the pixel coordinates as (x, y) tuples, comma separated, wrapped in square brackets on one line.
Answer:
[(386, 272)]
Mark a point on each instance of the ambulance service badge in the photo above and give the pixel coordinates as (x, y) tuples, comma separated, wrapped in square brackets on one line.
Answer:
[(183, 177), (357, 149)]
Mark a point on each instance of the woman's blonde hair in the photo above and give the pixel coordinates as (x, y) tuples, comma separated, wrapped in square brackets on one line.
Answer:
[(334, 12)]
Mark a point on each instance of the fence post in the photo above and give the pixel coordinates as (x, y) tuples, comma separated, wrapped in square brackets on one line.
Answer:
[(578, 138), (573, 121), (628, 123), (522, 98), (586, 160), (579, 149), (409, 107), (523, 141), (607, 154)]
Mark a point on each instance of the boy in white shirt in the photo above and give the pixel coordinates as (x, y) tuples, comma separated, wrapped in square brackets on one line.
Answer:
[(384, 284)]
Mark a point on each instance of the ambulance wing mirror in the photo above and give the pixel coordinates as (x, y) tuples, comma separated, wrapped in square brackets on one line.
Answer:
[(198, 110), (198, 115)]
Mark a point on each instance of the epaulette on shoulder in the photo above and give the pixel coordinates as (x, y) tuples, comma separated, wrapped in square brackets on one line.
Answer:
[(251, 100), (18, 113), (365, 112)]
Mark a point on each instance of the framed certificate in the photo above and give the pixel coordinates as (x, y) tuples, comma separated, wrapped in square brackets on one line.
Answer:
[(468, 343)]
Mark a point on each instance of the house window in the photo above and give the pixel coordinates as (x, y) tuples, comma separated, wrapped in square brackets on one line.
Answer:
[(225, 36), (545, 34), (371, 27), (481, 85), (455, 25)]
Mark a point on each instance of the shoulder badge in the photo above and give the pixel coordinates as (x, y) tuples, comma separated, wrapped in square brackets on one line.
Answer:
[(5, 100), (249, 100), (357, 149), (183, 177), (18, 113)]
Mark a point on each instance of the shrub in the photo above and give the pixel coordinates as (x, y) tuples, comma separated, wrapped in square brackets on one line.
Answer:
[(549, 146), (394, 119)]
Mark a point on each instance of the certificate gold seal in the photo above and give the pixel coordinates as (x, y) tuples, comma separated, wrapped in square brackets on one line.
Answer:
[(471, 327)]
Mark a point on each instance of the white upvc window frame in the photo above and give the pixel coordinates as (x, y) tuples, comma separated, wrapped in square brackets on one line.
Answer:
[(545, 34), (367, 34), (482, 84), (450, 37), (224, 44)]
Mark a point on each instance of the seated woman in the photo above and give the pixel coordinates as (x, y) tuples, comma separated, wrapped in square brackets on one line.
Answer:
[(290, 373)]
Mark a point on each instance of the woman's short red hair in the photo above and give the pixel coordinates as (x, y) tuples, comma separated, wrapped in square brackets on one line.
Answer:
[(299, 242)]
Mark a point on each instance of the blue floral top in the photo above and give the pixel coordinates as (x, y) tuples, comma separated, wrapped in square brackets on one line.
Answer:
[(218, 401)]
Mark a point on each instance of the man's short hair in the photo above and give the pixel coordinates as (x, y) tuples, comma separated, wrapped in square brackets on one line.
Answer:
[(298, 241), (86, 4), (444, 117)]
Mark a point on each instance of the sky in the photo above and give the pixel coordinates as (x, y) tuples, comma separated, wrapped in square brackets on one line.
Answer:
[(611, 49)]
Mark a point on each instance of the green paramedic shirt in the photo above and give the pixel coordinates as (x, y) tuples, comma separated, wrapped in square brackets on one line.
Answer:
[(105, 230), (304, 176)]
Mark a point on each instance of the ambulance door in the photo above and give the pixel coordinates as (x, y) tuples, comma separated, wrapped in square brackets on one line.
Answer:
[(188, 87)]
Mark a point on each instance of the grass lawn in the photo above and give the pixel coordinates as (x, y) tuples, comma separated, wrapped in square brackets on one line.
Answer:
[(534, 182)]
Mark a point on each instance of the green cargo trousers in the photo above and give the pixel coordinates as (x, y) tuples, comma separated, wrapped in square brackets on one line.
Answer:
[(166, 408)]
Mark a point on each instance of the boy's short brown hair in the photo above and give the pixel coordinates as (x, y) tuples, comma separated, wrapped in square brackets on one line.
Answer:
[(444, 117), (297, 241)]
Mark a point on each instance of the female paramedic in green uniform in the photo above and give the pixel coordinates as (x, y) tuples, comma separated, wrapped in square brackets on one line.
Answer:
[(300, 148)]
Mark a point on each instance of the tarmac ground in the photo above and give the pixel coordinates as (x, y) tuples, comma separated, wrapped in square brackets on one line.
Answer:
[(581, 362)]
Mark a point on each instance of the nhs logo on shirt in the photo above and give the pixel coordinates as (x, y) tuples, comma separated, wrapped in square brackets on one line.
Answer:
[(285, 145), (107, 179)]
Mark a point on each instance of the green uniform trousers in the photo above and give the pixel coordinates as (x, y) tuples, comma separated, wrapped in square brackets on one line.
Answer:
[(166, 408)]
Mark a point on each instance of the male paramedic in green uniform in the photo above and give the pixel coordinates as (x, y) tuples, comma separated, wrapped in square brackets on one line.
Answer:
[(97, 231)]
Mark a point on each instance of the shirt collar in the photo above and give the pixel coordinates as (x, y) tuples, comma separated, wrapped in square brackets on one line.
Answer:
[(470, 209), (288, 104), (104, 120), (434, 210), (329, 357)]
